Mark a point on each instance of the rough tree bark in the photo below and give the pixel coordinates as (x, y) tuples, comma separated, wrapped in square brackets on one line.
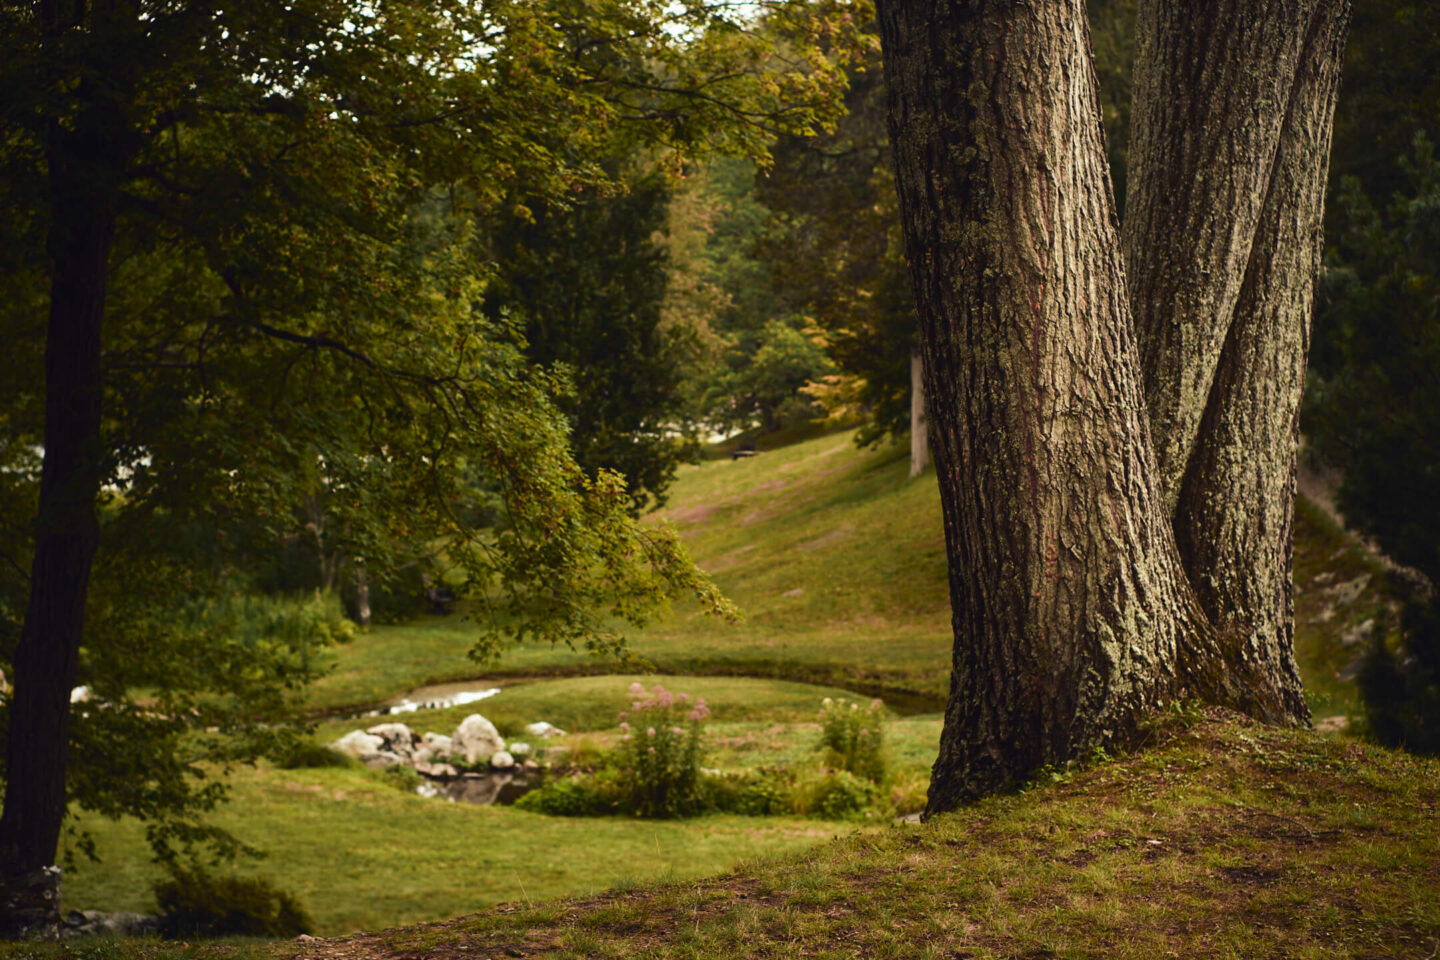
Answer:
[(1074, 611), (1222, 242), (919, 427)]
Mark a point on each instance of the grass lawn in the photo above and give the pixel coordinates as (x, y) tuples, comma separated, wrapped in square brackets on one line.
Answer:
[(838, 563), (579, 704), (835, 559), (361, 854), (1223, 839)]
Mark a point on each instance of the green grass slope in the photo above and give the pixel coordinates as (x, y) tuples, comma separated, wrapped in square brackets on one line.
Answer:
[(836, 561), (1222, 839)]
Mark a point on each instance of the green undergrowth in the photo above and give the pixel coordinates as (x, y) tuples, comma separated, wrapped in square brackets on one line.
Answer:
[(1222, 839), (1225, 840), (360, 854)]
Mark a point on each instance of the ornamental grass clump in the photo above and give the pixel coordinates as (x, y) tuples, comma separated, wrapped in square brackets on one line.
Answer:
[(659, 756), (854, 739)]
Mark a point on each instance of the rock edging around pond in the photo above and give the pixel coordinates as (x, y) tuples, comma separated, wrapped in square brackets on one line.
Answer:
[(474, 742)]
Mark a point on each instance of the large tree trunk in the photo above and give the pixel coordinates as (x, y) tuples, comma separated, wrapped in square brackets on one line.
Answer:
[(1064, 579), (1224, 345), (66, 537), (86, 155), (1073, 612), (919, 427)]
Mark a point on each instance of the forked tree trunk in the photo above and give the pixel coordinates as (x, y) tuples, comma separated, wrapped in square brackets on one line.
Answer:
[(919, 427), (1225, 347), (1073, 612)]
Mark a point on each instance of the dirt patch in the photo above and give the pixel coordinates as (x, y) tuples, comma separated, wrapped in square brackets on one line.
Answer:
[(839, 535), (693, 516), (727, 560)]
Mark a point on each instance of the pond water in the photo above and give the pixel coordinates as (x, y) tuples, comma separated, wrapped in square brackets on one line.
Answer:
[(434, 697), (501, 787)]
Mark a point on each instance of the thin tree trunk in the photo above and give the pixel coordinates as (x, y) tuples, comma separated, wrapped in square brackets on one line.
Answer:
[(1070, 606), (66, 537), (919, 427), (1225, 347), (362, 594)]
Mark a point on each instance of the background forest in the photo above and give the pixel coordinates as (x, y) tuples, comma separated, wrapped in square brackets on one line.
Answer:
[(391, 393)]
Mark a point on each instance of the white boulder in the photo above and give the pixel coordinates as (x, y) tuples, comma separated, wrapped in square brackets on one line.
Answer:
[(543, 730), (518, 749), (476, 738), (502, 760), (433, 748), (359, 744)]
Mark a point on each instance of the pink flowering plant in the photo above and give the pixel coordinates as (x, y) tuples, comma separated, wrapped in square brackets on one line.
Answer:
[(660, 751), (853, 737)]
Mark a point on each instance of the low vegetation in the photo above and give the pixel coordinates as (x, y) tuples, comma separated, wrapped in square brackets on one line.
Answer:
[(1220, 839)]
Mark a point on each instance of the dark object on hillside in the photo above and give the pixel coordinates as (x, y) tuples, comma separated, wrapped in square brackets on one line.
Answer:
[(197, 903), (441, 599), (1400, 682), (746, 449)]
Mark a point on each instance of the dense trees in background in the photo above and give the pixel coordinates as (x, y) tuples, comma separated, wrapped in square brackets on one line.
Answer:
[(239, 279), (1371, 412), (1115, 414), (587, 282)]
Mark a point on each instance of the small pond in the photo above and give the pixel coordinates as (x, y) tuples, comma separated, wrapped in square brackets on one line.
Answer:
[(501, 787)]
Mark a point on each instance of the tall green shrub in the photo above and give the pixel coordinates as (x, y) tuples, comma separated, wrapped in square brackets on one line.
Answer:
[(854, 739), (660, 751)]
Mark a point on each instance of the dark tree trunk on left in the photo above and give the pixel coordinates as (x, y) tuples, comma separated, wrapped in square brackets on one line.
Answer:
[(86, 157)]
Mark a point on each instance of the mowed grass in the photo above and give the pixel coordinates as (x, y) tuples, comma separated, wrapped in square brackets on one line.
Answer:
[(578, 704), (1224, 839), (836, 560), (362, 854)]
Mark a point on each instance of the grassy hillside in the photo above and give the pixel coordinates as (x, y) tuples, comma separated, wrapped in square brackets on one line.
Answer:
[(1222, 839), (838, 563)]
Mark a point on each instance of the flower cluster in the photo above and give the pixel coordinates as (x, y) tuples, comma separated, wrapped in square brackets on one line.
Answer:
[(660, 755), (854, 739)]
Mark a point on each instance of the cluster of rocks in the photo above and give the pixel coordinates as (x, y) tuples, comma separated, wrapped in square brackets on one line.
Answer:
[(89, 923), (474, 742)]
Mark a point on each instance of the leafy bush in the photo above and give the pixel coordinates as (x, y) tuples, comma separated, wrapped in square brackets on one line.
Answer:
[(1372, 412), (582, 796), (768, 791), (840, 795), (194, 902), (854, 739), (302, 754), (659, 757), (1401, 685)]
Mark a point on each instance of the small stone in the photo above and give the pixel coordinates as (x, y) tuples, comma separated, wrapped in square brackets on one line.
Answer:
[(518, 749), (1348, 592), (399, 739), (1357, 633), (502, 760), (543, 730)]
